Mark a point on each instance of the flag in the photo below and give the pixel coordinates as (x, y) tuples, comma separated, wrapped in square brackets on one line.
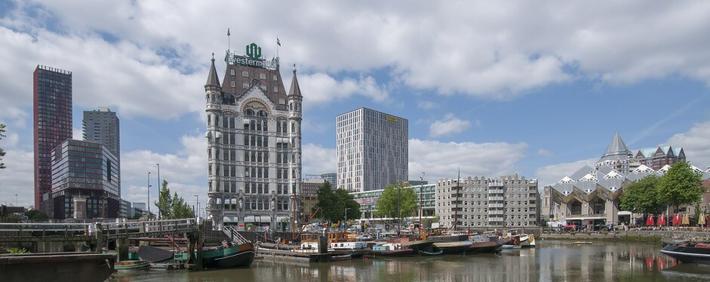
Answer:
[(228, 34), (278, 42)]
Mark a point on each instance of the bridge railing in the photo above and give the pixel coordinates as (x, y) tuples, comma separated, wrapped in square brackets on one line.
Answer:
[(89, 229)]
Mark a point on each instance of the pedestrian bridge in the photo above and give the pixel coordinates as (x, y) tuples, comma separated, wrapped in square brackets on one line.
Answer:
[(37, 232)]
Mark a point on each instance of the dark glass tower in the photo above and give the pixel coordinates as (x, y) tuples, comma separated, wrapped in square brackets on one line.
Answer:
[(52, 118)]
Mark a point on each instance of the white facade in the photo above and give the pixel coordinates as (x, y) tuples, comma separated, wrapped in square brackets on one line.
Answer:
[(372, 150), (254, 145), (508, 201)]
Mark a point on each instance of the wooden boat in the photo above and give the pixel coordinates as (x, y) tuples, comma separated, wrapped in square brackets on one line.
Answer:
[(527, 241), (356, 245), (509, 247), (689, 251), (154, 254), (418, 245), (436, 252), (483, 247), (391, 250), (456, 247), (229, 256), (130, 265), (448, 238), (341, 257)]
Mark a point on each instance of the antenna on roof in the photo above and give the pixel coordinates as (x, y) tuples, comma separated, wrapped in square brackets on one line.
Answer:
[(229, 41)]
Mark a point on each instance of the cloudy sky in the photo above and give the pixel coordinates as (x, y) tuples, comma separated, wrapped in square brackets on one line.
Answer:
[(536, 88)]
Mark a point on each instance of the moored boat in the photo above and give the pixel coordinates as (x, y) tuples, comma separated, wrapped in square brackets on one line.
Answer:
[(527, 241), (456, 247), (689, 251), (418, 245), (129, 265), (391, 250), (436, 252), (483, 247), (228, 256)]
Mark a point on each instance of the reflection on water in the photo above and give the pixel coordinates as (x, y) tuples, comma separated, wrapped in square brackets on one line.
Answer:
[(551, 261)]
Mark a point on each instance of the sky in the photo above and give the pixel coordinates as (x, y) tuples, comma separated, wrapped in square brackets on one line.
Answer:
[(536, 88)]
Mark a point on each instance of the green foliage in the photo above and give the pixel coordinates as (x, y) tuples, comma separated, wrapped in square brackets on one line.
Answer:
[(332, 204), (642, 196), (17, 251), (172, 207), (2, 152), (397, 201), (10, 218), (164, 203), (680, 185), (180, 209), (36, 216)]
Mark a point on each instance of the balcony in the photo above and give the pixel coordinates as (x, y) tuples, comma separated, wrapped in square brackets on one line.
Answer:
[(496, 212), (496, 205), (496, 198)]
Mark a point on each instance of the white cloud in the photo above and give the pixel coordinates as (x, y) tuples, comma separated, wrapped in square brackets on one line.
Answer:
[(450, 124), (550, 174), (187, 167), (544, 152), (17, 178), (320, 88), (439, 160), (695, 143), (127, 76), (494, 50), (318, 160), (427, 105)]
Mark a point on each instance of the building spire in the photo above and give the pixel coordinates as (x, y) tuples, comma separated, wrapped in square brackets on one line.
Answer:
[(295, 90), (212, 78)]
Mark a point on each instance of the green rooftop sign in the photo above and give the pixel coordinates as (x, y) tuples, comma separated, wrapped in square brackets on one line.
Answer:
[(253, 51)]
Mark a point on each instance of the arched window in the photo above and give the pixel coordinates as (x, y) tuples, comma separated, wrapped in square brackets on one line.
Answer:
[(249, 112)]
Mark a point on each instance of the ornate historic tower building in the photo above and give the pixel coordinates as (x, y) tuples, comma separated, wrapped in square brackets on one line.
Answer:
[(254, 143)]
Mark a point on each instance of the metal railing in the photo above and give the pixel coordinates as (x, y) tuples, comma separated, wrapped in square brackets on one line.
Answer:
[(234, 235), (89, 229)]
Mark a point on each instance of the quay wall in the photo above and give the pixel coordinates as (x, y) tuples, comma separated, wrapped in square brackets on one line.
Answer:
[(630, 235)]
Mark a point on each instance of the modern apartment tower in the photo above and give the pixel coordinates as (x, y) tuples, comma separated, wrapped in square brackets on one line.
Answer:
[(372, 150), (52, 122), (102, 126), (253, 143)]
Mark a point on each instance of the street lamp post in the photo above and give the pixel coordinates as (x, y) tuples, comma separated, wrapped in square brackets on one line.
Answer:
[(159, 185), (148, 203), (197, 210), (346, 218), (421, 210)]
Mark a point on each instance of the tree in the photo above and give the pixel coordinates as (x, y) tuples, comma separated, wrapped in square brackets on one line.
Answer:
[(180, 208), (327, 202), (172, 207), (681, 185), (396, 202), (2, 152), (36, 216), (164, 203), (642, 196), (345, 200), (332, 204)]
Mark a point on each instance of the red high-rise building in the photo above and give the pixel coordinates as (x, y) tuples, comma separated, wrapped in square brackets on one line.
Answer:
[(52, 108)]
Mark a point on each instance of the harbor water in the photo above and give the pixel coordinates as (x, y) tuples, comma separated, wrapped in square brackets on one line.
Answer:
[(550, 261)]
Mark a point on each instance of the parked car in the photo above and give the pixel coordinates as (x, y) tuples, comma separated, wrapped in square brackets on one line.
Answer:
[(603, 227), (571, 227)]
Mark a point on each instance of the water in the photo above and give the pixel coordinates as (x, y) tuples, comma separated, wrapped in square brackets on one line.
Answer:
[(551, 261)]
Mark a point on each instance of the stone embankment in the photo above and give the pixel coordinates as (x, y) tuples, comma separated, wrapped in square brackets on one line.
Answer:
[(630, 235)]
